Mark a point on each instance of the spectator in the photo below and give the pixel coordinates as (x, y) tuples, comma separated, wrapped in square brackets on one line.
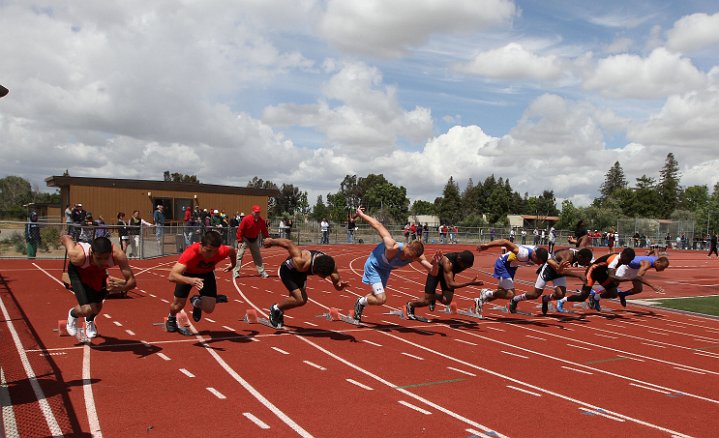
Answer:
[(68, 218), (135, 231), (101, 229), (325, 228), (425, 230), (288, 228), (420, 231), (32, 235), (551, 239), (159, 218), (123, 231), (87, 229)]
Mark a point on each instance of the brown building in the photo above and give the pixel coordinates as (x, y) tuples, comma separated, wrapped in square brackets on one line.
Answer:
[(106, 197)]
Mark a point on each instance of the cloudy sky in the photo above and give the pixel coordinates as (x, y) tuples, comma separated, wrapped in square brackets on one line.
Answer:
[(546, 93)]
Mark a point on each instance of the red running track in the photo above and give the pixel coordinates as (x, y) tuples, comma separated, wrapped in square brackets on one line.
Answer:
[(634, 372)]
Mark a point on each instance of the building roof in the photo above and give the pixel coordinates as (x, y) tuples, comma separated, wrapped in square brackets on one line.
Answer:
[(63, 181)]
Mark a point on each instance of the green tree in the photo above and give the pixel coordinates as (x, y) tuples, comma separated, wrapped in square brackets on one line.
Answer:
[(320, 210), (421, 207), (568, 216), (389, 202), (287, 201), (179, 177), (450, 204), (14, 192), (668, 187), (614, 180), (694, 198)]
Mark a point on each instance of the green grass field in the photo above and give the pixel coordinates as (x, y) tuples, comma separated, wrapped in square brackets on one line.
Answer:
[(705, 305)]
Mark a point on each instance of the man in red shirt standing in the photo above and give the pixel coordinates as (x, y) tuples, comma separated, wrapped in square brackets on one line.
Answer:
[(196, 267), (248, 234)]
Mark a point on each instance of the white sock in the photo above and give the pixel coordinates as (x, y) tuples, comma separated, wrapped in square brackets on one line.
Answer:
[(363, 301)]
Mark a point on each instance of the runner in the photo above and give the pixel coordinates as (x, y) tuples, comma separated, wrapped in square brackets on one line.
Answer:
[(600, 272), (387, 256), (293, 273), (505, 267), (634, 271), (556, 271), (196, 267), (87, 270), (450, 265)]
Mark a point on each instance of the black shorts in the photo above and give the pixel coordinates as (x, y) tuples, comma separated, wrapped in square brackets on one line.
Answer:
[(548, 273), (209, 288), (84, 293), (431, 284), (293, 279)]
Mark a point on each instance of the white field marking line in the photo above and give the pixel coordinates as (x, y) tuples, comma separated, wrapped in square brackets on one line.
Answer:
[(688, 370), (312, 324), (413, 356), (576, 370), (495, 329), (163, 356), (625, 352), (465, 342), (578, 346), (45, 408), (416, 408), (8, 414), (514, 354), (229, 329), (261, 424), (216, 393), (477, 433), (117, 323), (361, 385), (462, 371), (107, 315), (153, 295), (652, 345), (605, 336), (598, 370), (524, 391), (631, 358), (314, 365), (614, 325), (187, 373), (210, 320), (706, 355), (657, 333), (279, 350), (371, 343), (669, 331), (602, 414), (675, 325), (388, 322), (536, 388), (650, 388), (535, 337), (164, 301), (92, 419), (130, 332)]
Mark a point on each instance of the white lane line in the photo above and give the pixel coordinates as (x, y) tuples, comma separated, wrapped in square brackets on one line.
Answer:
[(631, 358), (130, 332), (413, 356), (312, 324), (465, 342), (388, 322), (688, 370), (107, 315), (677, 325), (216, 393), (615, 325), (578, 346), (319, 367), (648, 388), (279, 350), (524, 391), (164, 301), (153, 295), (605, 336), (117, 323), (657, 333), (514, 354), (708, 341), (210, 320), (601, 414), (576, 370), (478, 433), (187, 373), (535, 337), (354, 382), (416, 408), (462, 371), (8, 414), (92, 419), (261, 424), (229, 329), (652, 345), (163, 356), (39, 394), (372, 343), (713, 356), (496, 329)]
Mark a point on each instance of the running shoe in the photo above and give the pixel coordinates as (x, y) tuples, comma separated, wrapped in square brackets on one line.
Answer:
[(264, 275), (409, 310), (478, 305), (545, 304), (512, 306), (221, 298), (623, 299), (432, 305), (171, 324), (71, 325), (90, 329), (276, 316), (358, 309), (196, 310), (560, 306)]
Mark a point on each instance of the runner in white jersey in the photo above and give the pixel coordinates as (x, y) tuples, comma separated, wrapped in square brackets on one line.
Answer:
[(506, 266)]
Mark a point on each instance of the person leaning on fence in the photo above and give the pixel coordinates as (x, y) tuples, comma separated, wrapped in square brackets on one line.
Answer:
[(248, 236), (123, 231), (32, 236), (135, 230)]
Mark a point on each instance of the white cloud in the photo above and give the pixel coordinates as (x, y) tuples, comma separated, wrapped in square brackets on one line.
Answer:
[(694, 32), (391, 28), (660, 74), (514, 62), (619, 45)]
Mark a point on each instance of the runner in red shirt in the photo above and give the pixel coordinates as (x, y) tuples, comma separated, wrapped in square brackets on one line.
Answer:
[(196, 267)]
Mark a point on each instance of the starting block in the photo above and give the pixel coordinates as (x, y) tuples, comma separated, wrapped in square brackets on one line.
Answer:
[(335, 315), (251, 317), (403, 315), (451, 309), (468, 312), (183, 324), (80, 335)]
